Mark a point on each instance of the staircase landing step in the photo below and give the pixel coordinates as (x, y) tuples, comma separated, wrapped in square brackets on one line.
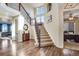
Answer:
[(46, 44), (46, 40)]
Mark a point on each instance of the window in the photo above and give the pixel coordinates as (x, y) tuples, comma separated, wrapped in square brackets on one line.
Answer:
[(69, 26), (0, 27), (4, 28), (40, 10), (42, 18), (38, 19), (9, 27), (40, 14)]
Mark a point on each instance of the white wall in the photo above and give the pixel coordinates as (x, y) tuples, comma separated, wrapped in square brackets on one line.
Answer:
[(55, 28), (13, 29), (20, 27), (34, 35), (17, 28), (29, 9)]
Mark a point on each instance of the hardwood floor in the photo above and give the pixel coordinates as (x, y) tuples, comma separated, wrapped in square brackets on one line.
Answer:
[(71, 45), (7, 48), (27, 48)]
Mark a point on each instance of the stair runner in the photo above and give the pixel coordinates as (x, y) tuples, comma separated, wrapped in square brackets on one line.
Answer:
[(44, 38)]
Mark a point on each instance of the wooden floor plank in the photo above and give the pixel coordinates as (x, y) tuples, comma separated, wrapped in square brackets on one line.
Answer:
[(28, 48)]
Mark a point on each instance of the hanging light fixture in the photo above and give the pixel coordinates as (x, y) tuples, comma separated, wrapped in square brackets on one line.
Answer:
[(70, 16)]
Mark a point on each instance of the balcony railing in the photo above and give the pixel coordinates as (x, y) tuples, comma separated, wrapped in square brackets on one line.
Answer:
[(23, 11)]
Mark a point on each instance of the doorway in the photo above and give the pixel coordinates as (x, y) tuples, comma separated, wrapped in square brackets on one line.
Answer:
[(71, 34), (5, 30)]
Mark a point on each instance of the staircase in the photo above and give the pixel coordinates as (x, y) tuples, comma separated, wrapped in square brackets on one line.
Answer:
[(44, 37)]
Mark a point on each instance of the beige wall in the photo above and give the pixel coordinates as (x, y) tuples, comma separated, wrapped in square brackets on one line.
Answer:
[(76, 31), (55, 28), (61, 26)]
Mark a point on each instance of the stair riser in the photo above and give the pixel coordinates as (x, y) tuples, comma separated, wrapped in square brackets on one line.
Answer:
[(46, 41), (44, 45), (45, 37)]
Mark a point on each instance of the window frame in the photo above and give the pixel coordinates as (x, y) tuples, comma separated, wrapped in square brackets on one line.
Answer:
[(42, 14)]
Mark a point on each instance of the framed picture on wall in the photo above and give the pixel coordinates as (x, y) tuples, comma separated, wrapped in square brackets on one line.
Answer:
[(49, 18)]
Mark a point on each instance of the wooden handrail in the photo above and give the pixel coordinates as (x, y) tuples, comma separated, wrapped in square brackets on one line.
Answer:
[(20, 5), (38, 33)]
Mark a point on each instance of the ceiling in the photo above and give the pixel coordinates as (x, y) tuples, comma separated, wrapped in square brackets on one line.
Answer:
[(34, 5), (70, 5), (7, 11), (71, 8), (68, 8), (4, 20)]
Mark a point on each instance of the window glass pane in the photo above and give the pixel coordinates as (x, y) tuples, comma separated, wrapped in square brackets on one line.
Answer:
[(10, 28), (33, 21), (66, 26), (38, 19), (37, 11), (4, 28), (71, 26), (40, 10), (43, 10), (42, 18), (0, 27)]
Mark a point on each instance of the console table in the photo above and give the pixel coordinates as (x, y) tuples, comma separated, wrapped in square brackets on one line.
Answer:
[(25, 37)]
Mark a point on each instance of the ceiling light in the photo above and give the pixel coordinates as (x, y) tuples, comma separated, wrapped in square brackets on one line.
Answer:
[(71, 17)]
